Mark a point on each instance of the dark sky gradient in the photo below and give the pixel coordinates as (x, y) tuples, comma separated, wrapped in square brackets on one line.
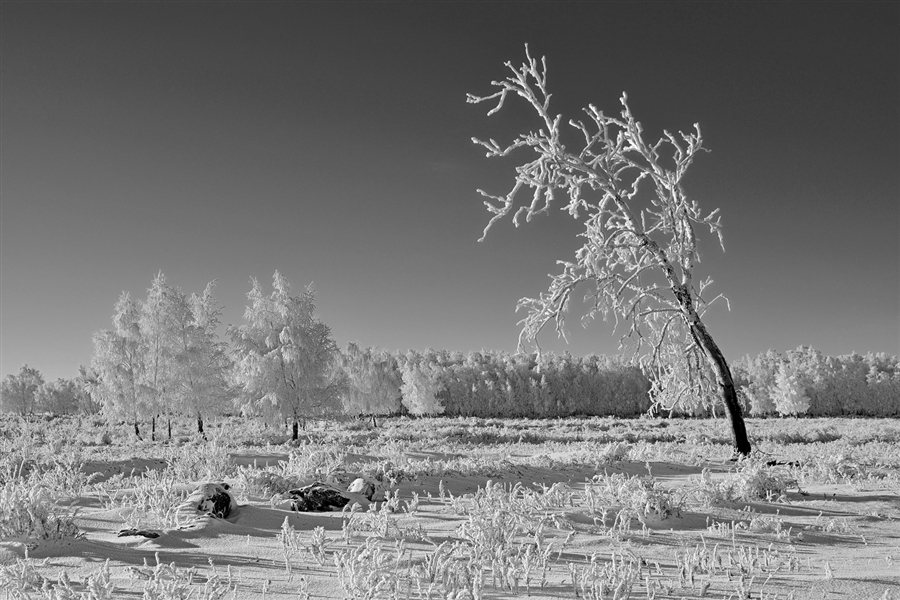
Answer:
[(332, 142)]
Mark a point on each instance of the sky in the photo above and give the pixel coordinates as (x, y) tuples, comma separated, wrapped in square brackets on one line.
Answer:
[(332, 142)]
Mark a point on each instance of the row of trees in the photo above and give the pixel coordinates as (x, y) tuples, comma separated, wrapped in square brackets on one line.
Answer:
[(26, 392), (804, 381), (164, 357), (499, 384)]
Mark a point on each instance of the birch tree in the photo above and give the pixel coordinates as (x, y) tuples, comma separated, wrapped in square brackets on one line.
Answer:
[(200, 366), (285, 358), (87, 381), (60, 397), (18, 392), (761, 373), (158, 315), (373, 383), (119, 361), (640, 245), (420, 388)]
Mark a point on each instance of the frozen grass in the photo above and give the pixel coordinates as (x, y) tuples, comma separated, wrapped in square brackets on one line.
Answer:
[(23, 581), (149, 500), (513, 539)]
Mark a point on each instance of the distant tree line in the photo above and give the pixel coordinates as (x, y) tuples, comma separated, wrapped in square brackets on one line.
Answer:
[(498, 384), (805, 382), (27, 393), (163, 358)]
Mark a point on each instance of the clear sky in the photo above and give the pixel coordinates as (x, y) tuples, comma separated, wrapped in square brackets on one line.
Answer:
[(331, 141)]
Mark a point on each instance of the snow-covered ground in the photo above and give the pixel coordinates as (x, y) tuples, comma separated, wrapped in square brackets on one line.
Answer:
[(463, 508)]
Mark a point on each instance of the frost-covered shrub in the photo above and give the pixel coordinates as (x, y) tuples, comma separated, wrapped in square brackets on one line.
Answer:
[(200, 461), (833, 467), (262, 482), (27, 510), (148, 500), (753, 481), (642, 495)]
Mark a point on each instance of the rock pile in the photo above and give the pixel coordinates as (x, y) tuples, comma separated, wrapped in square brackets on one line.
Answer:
[(324, 497), (214, 499)]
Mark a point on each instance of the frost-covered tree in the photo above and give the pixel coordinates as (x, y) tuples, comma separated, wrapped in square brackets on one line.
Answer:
[(119, 361), (158, 314), (168, 353), (201, 364), (420, 389), (17, 392), (760, 389), (791, 390), (60, 397), (87, 381), (851, 383), (286, 362), (373, 382), (640, 246), (883, 382)]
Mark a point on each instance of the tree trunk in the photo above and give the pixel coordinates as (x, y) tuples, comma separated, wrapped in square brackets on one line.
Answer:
[(170, 429), (137, 432), (199, 423), (374, 422), (153, 429), (295, 432), (718, 363), (726, 386)]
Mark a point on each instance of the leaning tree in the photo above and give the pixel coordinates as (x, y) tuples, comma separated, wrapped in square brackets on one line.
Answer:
[(640, 245)]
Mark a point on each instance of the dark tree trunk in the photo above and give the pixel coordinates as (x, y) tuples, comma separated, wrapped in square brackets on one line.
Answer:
[(719, 365), (152, 429), (374, 422), (170, 429), (726, 386), (137, 431), (295, 431), (199, 423)]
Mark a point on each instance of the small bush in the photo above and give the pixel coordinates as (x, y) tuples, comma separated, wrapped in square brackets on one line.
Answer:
[(754, 480), (642, 495), (27, 510)]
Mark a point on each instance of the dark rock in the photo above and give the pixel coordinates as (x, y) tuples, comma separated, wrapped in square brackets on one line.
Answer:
[(317, 497), (134, 532), (215, 500)]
